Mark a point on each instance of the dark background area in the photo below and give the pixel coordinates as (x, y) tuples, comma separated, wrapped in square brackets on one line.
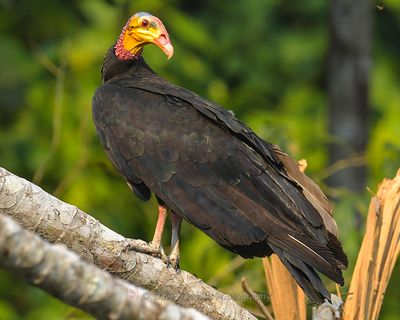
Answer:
[(321, 79)]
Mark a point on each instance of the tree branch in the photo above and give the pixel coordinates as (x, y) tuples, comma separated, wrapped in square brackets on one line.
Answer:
[(57, 221), (63, 274)]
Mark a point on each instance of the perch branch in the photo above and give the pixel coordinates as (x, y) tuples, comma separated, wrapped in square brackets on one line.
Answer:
[(63, 274), (256, 299), (57, 221)]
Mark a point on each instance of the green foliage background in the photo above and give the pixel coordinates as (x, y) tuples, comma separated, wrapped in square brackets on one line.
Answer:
[(266, 60)]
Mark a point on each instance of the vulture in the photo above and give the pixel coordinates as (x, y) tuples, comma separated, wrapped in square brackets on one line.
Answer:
[(209, 168)]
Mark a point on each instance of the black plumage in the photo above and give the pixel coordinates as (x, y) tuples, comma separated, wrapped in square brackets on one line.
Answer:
[(215, 172)]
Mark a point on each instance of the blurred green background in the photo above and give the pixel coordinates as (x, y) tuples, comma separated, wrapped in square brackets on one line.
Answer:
[(266, 60)]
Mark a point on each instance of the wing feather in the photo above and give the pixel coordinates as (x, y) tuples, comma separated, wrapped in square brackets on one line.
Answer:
[(211, 169), (275, 157)]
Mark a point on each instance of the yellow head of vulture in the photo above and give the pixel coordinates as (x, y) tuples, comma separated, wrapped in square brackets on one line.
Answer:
[(142, 29)]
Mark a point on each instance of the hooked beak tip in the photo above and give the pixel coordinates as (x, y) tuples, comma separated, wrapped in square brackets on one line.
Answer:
[(165, 45), (169, 50)]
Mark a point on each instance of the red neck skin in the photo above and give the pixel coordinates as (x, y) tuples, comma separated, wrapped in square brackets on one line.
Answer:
[(120, 52)]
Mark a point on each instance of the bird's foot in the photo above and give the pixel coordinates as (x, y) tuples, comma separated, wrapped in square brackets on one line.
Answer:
[(158, 252), (147, 248), (173, 262)]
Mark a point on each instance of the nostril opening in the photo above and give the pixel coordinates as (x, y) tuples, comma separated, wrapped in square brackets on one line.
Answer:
[(163, 39)]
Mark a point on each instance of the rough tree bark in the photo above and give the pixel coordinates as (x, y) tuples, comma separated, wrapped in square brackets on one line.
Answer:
[(57, 221), (63, 274), (348, 81)]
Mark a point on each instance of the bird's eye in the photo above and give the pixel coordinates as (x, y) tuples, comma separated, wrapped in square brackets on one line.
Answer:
[(145, 23)]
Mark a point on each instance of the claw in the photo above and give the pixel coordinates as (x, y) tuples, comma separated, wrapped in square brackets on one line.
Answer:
[(173, 261)]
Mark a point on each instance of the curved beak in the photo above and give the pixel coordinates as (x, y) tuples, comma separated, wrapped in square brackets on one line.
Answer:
[(165, 45)]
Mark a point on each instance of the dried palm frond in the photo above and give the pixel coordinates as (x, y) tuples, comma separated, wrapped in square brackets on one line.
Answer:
[(287, 298), (378, 254)]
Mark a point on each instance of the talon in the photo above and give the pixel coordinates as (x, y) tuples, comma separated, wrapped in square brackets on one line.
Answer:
[(173, 262), (164, 258)]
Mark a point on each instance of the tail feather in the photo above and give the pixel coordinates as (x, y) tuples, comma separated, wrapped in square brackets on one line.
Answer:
[(305, 276), (310, 190), (336, 247), (313, 254)]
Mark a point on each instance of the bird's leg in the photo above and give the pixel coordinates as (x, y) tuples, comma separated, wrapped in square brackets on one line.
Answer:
[(173, 259), (158, 232), (154, 247)]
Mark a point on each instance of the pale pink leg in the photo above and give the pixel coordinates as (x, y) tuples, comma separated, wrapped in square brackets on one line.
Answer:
[(155, 247), (158, 232)]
